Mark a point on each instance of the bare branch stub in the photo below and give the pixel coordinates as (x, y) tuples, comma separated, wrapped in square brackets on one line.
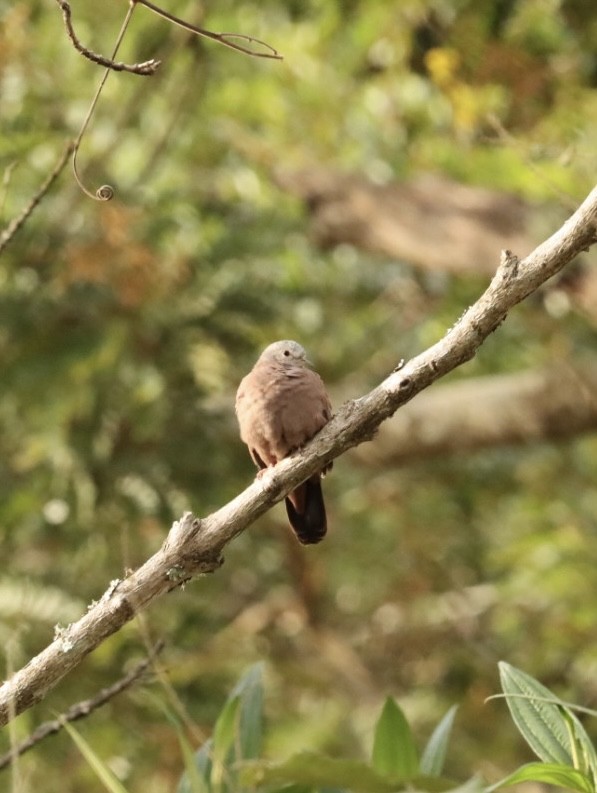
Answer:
[(147, 68)]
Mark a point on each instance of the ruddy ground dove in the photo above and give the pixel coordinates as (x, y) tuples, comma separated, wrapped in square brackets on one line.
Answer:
[(280, 405)]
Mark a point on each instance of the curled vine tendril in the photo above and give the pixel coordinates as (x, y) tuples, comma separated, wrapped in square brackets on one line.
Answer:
[(106, 191)]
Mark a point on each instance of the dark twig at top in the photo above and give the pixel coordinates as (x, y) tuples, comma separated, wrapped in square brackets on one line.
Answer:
[(146, 68), (81, 709)]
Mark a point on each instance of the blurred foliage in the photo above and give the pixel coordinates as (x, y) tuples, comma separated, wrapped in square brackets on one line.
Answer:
[(230, 761), (126, 327)]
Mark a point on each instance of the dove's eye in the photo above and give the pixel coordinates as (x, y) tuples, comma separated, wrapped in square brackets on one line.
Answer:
[(287, 353)]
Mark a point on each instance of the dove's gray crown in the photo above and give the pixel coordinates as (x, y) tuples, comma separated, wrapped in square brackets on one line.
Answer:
[(284, 350)]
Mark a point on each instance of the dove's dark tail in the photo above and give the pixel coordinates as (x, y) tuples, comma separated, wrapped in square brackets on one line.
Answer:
[(306, 511)]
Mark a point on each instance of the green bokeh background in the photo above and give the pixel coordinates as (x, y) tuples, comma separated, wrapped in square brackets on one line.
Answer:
[(126, 327)]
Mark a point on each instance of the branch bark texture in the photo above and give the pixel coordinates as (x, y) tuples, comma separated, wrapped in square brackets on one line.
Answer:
[(194, 546)]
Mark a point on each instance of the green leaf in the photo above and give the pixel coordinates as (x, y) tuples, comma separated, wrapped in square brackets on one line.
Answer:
[(203, 760), (541, 723), (293, 789), (196, 776), (101, 770), (548, 724), (313, 770), (434, 754), (223, 738), (197, 773), (394, 751), (549, 774), (472, 785), (237, 735), (250, 690), (583, 751)]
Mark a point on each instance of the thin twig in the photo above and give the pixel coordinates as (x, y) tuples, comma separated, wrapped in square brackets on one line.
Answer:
[(6, 177), (221, 38), (147, 68), (15, 224), (82, 709)]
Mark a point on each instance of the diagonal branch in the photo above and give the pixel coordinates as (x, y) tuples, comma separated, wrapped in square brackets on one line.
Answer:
[(194, 546), (82, 709), (15, 224)]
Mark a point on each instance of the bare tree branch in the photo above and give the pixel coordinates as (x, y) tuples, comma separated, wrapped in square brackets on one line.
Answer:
[(81, 709), (194, 546), (555, 403), (15, 224)]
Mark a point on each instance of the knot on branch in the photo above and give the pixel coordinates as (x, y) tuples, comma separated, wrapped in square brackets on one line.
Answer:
[(508, 268)]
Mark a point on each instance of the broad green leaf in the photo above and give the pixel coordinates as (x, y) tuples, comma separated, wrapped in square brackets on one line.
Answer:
[(101, 770), (250, 690), (434, 754), (555, 715), (394, 751), (549, 774), (541, 723)]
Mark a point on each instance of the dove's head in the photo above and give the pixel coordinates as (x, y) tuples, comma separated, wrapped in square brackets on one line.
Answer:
[(286, 351)]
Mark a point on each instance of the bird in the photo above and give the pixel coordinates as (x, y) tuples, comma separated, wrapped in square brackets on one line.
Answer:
[(280, 405)]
